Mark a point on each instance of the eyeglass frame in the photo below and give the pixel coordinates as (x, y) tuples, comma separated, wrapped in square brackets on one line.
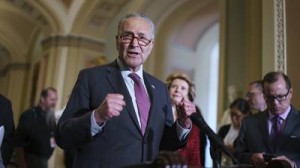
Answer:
[(133, 37), (272, 98)]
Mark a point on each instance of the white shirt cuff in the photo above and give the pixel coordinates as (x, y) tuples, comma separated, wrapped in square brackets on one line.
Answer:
[(182, 132), (95, 128)]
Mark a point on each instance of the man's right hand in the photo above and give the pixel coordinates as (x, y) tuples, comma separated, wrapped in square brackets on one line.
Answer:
[(257, 159), (111, 107)]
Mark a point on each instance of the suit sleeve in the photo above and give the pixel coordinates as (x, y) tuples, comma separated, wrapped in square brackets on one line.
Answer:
[(170, 140), (74, 127), (242, 151)]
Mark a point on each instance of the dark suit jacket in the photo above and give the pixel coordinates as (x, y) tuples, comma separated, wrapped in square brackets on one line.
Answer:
[(121, 142), (254, 137), (6, 119)]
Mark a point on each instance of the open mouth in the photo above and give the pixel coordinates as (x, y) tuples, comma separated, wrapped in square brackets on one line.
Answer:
[(176, 95), (132, 53)]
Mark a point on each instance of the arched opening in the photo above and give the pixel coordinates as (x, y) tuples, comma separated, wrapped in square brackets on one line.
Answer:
[(189, 43)]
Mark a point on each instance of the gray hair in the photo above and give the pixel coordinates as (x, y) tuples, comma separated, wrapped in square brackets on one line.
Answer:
[(139, 15)]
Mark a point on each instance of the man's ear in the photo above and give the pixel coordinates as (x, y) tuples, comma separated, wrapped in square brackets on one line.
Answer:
[(291, 92), (152, 43)]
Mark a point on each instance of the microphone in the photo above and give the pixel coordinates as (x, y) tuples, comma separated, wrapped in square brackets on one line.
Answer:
[(198, 120)]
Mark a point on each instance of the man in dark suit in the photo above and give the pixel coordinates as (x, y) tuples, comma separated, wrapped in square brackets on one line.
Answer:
[(7, 120), (107, 120), (275, 131)]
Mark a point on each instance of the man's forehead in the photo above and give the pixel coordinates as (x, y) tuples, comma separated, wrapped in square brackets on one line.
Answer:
[(136, 24), (278, 86), (253, 87), (253, 90), (52, 93)]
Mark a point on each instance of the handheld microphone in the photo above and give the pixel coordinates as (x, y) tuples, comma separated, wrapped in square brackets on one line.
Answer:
[(198, 120)]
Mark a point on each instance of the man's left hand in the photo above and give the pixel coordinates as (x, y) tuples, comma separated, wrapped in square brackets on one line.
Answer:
[(184, 110)]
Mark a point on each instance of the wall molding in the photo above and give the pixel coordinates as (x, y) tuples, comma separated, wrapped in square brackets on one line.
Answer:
[(14, 66), (280, 35), (73, 41)]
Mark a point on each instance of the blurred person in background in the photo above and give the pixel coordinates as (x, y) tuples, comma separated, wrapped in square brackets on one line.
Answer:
[(255, 97), (239, 108), (34, 138)]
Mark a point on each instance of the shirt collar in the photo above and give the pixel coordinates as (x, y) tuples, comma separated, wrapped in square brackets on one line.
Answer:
[(282, 115), (125, 71)]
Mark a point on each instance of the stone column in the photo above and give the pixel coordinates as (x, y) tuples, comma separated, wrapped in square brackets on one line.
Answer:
[(63, 58)]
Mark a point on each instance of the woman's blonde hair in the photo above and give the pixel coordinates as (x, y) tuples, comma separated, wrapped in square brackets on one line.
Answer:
[(184, 77)]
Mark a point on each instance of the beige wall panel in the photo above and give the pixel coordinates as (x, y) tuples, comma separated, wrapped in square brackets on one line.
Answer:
[(3, 84), (268, 47), (16, 90), (235, 48), (253, 40), (292, 47)]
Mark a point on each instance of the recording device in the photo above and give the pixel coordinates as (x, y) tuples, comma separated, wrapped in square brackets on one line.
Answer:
[(213, 137), (268, 157)]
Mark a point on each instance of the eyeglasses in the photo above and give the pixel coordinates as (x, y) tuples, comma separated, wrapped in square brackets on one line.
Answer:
[(129, 37), (279, 98)]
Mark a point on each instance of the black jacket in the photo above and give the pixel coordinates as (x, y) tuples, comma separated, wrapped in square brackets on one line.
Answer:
[(6, 119)]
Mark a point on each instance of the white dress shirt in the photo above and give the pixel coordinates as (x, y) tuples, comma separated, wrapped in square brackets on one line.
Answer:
[(282, 120)]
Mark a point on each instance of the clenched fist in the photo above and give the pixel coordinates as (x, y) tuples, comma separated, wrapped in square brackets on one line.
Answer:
[(111, 107)]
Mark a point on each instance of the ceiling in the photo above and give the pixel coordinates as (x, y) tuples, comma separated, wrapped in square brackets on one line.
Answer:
[(23, 22)]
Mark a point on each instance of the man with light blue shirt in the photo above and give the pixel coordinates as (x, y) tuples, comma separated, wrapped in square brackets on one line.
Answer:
[(275, 133), (119, 115)]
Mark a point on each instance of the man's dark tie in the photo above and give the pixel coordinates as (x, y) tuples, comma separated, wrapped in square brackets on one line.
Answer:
[(275, 130), (142, 100)]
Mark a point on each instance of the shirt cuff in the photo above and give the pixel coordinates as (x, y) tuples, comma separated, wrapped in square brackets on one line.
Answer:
[(182, 132), (95, 128)]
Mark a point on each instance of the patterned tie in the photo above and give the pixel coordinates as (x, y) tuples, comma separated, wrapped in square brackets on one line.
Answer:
[(275, 130), (142, 100)]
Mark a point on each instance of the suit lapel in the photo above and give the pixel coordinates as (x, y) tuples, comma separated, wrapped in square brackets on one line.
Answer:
[(263, 126), (289, 126), (152, 95), (116, 80)]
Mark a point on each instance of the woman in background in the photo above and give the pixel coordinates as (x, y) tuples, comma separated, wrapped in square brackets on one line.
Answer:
[(239, 108), (180, 86)]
